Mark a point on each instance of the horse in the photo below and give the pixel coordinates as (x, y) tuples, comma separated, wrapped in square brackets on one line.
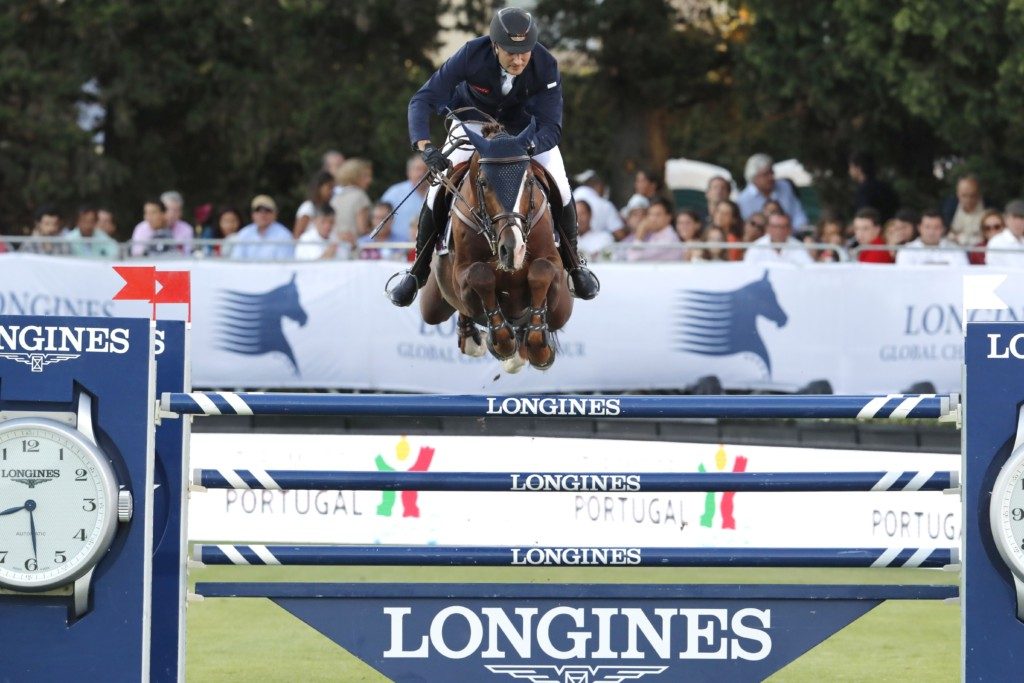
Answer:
[(503, 272), (725, 323), (250, 323)]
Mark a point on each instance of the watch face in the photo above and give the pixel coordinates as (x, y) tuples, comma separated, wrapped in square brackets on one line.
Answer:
[(1006, 512), (58, 504)]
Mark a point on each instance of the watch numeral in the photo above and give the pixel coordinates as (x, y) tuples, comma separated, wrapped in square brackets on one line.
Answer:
[(90, 504), (80, 535), (31, 564), (60, 557), (1018, 514), (80, 474), (30, 446), (3, 556), (62, 454), (5, 454)]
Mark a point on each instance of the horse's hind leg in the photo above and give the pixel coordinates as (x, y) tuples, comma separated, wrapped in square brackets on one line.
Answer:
[(470, 342), (540, 349), (501, 338)]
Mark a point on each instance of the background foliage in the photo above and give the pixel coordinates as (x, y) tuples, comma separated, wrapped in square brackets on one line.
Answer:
[(225, 99)]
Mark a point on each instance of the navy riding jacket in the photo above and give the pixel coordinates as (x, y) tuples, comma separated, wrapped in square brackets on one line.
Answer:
[(472, 78)]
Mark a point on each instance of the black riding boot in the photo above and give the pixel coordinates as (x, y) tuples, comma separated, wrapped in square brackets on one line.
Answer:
[(585, 284), (410, 282)]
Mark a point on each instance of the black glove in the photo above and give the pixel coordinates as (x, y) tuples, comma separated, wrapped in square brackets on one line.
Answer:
[(436, 161)]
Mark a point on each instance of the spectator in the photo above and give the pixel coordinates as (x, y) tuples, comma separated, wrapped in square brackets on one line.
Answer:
[(991, 225), (351, 204), (317, 243), (830, 231), (180, 230), (633, 213), (152, 234), (655, 228), (772, 207), (871, 192), (105, 222), (409, 211), (226, 224), (769, 248), (762, 187), (713, 234), (753, 227), (687, 227), (1012, 237), (331, 162), (86, 240), (321, 189), (202, 217), (149, 239), (962, 213), (264, 239), (905, 227), (590, 241), (604, 216), (377, 215), (727, 218), (867, 229), (931, 248), (50, 233), (648, 184), (718, 190)]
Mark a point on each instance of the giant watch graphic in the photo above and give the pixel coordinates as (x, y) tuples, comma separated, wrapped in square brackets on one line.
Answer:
[(1006, 514), (59, 503)]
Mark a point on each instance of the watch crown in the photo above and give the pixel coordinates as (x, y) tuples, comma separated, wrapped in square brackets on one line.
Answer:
[(124, 506)]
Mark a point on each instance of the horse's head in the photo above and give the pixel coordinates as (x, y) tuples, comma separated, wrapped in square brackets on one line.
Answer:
[(287, 304), (504, 190), (768, 303)]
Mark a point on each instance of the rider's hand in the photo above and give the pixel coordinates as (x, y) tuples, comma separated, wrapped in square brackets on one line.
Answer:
[(436, 161)]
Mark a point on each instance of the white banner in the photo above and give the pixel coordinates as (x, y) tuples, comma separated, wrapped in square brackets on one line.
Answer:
[(849, 519), (862, 328)]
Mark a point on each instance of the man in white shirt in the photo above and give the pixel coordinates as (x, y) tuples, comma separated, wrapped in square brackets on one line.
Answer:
[(1011, 237), (407, 213), (264, 239), (778, 245), (604, 217), (316, 242), (931, 248)]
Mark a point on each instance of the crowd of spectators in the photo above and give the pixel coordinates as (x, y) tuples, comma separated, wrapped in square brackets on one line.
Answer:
[(764, 222)]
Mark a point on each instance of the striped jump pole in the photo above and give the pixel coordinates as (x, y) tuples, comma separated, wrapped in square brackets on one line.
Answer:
[(535, 556), (887, 406), (620, 482)]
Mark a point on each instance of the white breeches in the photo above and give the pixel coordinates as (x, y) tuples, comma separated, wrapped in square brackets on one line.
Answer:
[(551, 160)]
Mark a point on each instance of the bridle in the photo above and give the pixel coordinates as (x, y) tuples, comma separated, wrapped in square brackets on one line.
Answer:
[(477, 218)]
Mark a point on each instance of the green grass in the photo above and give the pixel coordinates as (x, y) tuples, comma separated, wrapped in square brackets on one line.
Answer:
[(254, 640)]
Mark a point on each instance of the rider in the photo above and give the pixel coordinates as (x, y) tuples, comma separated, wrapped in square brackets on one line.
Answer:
[(507, 75)]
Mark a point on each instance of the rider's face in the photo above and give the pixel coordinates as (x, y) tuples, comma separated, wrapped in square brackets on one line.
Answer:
[(514, 63)]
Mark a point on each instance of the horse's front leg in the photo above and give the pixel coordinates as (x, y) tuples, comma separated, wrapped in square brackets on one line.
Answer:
[(539, 347), (479, 278), (470, 342)]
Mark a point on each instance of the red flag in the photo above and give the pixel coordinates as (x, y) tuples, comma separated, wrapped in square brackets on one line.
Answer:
[(140, 283), (175, 287)]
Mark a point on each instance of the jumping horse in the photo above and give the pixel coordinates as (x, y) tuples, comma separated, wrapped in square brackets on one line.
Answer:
[(502, 271)]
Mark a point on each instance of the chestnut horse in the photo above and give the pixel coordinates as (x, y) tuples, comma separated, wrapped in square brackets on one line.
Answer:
[(503, 271)]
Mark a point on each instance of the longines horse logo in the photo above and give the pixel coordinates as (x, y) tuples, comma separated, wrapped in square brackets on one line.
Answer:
[(251, 323), (725, 323), (539, 673)]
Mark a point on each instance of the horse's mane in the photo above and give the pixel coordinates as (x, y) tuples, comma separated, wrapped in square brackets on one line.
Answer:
[(491, 129)]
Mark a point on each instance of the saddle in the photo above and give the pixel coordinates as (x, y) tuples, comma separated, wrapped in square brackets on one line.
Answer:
[(443, 201)]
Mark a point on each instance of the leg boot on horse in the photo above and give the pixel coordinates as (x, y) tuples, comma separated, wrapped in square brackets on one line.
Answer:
[(585, 284), (410, 282)]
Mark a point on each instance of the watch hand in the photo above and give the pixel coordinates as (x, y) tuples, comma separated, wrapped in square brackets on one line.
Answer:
[(31, 505), (10, 511)]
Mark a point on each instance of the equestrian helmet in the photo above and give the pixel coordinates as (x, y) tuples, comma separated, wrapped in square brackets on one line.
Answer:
[(514, 30)]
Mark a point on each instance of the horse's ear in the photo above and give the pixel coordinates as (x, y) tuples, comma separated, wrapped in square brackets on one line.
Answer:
[(765, 276), (480, 142), (293, 278), (525, 139)]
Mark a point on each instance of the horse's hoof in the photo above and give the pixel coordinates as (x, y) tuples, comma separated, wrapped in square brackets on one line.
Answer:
[(544, 365), (514, 364), (496, 352), (471, 347)]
